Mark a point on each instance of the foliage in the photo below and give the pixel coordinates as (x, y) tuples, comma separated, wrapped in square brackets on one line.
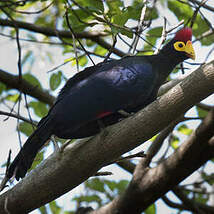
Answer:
[(96, 24)]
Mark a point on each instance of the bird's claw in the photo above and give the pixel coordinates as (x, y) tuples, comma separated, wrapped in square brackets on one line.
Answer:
[(125, 113)]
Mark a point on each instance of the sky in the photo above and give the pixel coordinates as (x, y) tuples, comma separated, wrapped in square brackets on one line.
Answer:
[(9, 138)]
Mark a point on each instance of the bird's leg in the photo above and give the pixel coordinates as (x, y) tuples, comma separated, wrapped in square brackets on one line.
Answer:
[(56, 146), (125, 113), (102, 127)]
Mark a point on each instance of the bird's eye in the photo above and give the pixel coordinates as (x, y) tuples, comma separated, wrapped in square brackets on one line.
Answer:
[(179, 46)]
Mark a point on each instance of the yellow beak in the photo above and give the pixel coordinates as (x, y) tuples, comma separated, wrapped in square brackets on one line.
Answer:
[(189, 50)]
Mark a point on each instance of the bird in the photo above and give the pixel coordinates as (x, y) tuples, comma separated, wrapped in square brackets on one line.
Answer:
[(99, 96)]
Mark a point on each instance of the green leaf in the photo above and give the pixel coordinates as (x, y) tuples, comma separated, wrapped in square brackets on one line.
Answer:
[(90, 43), (201, 112), (184, 129), (100, 50), (32, 80), (40, 108), (95, 184), (114, 6), (2, 87), (88, 198), (43, 210), (153, 35), (151, 209), (122, 185), (208, 178), (55, 80), (182, 11), (120, 18), (82, 61), (93, 5), (26, 128), (13, 98), (112, 185), (79, 20), (174, 142), (26, 57), (55, 209), (208, 40)]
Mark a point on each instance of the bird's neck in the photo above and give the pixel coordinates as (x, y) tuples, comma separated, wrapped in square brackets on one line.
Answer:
[(164, 65)]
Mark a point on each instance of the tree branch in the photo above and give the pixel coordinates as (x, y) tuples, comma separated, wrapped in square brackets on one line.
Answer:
[(154, 183), (64, 170), (12, 81), (51, 32)]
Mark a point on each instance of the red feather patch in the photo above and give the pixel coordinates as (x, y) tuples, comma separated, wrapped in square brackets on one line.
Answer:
[(184, 34), (103, 114)]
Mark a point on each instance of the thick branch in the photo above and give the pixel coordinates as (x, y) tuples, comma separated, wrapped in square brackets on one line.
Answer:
[(12, 81), (48, 31), (148, 185), (63, 171)]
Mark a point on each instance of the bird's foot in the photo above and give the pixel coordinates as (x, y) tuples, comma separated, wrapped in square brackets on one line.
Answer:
[(125, 113), (56, 146), (103, 131)]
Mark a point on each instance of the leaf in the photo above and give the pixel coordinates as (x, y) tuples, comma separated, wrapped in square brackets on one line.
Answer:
[(13, 98), (26, 57), (184, 129), (32, 79), (55, 80), (92, 5), (26, 128), (100, 50), (2, 87), (40, 108), (151, 209), (79, 20), (201, 112), (182, 11), (208, 40), (43, 210), (120, 19), (153, 35), (112, 185), (122, 185), (174, 142), (82, 61), (114, 6), (55, 209), (88, 198), (95, 184)]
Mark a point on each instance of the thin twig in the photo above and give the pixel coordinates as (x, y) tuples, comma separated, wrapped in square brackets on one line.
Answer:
[(163, 37), (69, 26), (111, 49), (103, 173), (33, 12), (9, 114), (139, 154), (139, 27)]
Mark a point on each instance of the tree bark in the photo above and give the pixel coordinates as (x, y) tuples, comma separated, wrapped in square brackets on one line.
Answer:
[(64, 170)]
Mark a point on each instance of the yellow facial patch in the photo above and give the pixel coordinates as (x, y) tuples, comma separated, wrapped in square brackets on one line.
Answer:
[(179, 46), (187, 48)]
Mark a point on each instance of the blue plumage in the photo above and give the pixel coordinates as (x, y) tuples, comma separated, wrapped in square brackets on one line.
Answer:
[(97, 94)]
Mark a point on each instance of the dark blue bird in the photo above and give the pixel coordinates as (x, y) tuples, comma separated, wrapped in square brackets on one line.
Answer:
[(98, 93)]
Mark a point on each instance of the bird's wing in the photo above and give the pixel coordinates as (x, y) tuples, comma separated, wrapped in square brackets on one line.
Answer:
[(103, 92)]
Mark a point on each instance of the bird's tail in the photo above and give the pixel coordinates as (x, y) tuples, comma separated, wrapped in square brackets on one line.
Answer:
[(25, 157)]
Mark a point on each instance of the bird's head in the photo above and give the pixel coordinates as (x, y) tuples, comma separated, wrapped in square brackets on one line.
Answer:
[(180, 47)]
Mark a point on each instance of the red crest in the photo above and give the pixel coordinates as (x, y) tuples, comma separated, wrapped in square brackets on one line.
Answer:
[(184, 34)]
